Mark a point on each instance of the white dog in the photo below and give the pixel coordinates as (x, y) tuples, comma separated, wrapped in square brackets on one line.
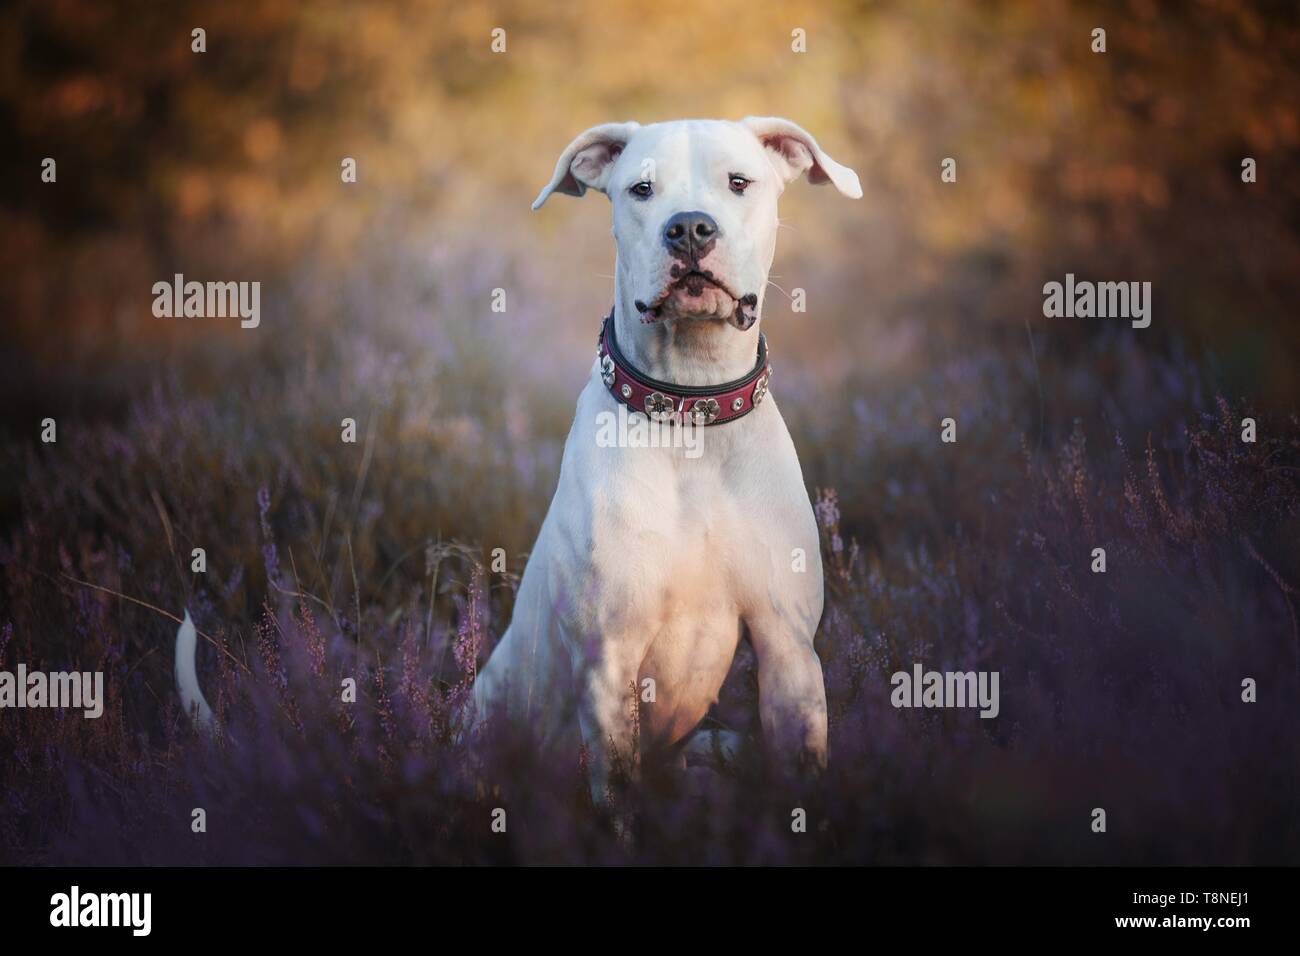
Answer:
[(651, 562)]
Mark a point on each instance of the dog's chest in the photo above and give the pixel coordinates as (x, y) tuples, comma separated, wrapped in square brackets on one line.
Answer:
[(686, 584), (656, 557), (655, 534), (675, 524)]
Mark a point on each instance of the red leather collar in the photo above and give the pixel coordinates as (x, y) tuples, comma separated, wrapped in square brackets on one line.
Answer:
[(663, 401)]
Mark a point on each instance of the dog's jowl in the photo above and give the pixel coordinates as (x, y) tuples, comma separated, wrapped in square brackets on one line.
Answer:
[(655, 558)]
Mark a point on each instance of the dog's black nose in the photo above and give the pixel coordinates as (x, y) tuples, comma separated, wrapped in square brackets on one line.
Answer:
[(690, 234)]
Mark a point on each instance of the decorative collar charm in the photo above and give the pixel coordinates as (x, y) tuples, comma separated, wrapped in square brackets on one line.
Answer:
[(663, 401)]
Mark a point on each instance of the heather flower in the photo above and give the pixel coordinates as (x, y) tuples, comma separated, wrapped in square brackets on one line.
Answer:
[(470, 630), (827, 509), (270, 556)]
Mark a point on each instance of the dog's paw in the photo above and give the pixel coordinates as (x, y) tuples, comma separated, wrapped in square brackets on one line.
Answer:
[(712, 749)]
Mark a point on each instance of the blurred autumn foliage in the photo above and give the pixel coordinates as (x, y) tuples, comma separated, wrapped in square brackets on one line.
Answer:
[(225, 164)]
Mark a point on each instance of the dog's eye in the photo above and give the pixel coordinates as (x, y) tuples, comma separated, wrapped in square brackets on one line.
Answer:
[(642, 190), (738, 183)]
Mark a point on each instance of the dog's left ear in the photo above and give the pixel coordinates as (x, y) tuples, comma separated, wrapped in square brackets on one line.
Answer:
[(587, 160), (793, 152)]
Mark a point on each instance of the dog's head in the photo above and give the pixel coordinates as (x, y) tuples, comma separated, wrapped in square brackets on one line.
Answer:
[(694, 206)]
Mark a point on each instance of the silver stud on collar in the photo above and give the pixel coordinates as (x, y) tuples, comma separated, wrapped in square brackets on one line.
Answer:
[(760, 388), (626, 390), (704, 411), (659, 406), (607, 370), (737, 403)]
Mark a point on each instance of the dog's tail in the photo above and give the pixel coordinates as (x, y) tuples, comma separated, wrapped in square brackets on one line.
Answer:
[(187, 678)]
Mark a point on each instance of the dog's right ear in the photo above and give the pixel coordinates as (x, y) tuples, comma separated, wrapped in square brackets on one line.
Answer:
[(587, 160)]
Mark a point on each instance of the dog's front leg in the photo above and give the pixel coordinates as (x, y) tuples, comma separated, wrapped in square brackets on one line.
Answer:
[(608, 709), (791, 694)]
